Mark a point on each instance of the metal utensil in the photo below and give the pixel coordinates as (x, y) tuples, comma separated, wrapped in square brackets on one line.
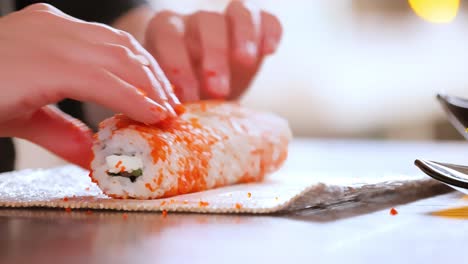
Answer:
[(455, 176), (457, 112)]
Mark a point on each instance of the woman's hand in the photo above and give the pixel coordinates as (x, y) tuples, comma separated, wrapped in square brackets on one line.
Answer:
[(46, 56), (212, 55)]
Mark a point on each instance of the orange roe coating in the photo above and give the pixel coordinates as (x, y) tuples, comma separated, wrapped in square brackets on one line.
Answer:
[(192, 170), (118, 164), (238, 206), (65, 199), (249, 195), (149, 187), (203, 204), (393, 211), (163, 203), (91, 158)]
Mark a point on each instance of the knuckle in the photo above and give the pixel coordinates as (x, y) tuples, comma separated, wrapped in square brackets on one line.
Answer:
[(275, 22), (41, 7), (126, 38), (41, 15), (162, 15), (164, 18), (123, 53), (209, 15), (119, 54)]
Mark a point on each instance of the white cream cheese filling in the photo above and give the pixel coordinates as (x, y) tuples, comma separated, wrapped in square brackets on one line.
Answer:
[(119, 163)]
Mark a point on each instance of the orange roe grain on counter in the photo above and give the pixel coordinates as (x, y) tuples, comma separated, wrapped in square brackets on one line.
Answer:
[(118, 164), (68, 210), (164, 213), (203, 204), (393, 211), (125, 216), (238, 206), (89, 212)]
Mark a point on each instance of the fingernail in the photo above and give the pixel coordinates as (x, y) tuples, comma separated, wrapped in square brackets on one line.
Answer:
[(218, 86), (174, 99), (141, 92), (170, 110), (142, 59), (158, 111), (270, 45), (248, 53)]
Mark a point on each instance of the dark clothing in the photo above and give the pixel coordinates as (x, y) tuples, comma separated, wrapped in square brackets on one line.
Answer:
[(102, 11)]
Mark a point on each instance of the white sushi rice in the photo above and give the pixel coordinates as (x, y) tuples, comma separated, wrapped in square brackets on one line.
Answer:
[(232, 157)]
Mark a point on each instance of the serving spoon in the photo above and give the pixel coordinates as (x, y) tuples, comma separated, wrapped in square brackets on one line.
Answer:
[(455, 176)]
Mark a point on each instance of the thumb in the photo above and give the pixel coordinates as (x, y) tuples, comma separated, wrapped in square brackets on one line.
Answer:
[(59, 133)]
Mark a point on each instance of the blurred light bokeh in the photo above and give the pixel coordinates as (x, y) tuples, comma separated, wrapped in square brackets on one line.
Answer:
[(355, 68)]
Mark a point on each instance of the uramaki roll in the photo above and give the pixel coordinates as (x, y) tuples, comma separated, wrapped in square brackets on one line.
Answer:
[(212, 144)]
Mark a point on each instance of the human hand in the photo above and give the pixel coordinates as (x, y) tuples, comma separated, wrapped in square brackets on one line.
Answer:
[(212, 55), (47, 56)]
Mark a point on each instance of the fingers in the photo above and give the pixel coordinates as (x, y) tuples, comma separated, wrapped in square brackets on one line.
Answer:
[(56, 131), (271, 33), (162, 91), (253, 35), (129, 67), (91, 33), (244, 22), (165, 41), (208, 45), (107, 89)]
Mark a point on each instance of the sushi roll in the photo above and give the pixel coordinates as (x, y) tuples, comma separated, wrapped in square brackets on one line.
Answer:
[(211, 144)]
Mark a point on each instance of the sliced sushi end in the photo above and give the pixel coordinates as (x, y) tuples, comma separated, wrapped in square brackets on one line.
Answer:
[(124, 166)]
